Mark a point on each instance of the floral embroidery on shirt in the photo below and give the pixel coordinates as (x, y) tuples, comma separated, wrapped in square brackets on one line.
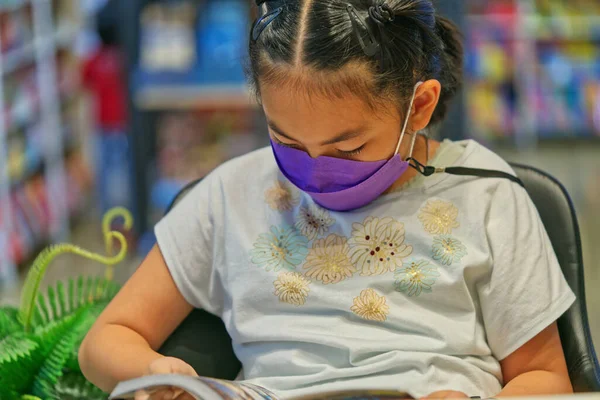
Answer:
[(448, 250), (328, 260), (282, 196), (314, 221), (439, 217), (369, 305), (281, 248), (377, 246), (417, 277), (292, 288)]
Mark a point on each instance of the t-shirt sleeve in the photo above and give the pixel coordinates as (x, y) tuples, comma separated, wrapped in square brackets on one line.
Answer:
[(186, 238), (527, 290)]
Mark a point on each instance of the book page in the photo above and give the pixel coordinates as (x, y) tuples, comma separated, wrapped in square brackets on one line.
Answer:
[(358, 395), (200, 388)]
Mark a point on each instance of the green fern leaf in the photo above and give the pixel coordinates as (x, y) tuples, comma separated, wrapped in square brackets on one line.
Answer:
[(89, 291), (97, 288), (40, 265), (16, 346), (18, 353), (9, 395), (60, 290), (9, 321), (112, 290), (52, 302), (74, 386), (71, 294), (42, 307), (37, 317), (54, 365), (80, 294)]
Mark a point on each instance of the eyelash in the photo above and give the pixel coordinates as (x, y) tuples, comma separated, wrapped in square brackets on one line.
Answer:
[(346, 153), (353, 152)]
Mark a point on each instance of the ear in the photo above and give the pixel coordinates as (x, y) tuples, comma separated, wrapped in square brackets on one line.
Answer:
[(426, 100)]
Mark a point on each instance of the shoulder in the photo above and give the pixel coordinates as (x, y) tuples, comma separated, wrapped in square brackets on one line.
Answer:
[(478, 194), (254, 170), (250, 167), (478, 156)]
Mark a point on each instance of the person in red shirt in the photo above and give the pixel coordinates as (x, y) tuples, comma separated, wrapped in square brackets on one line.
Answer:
[(103, 76)]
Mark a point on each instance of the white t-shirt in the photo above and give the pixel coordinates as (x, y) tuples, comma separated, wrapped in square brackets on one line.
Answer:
[(423, 290)]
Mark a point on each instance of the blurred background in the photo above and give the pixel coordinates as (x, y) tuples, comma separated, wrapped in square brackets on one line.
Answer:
[(122, 102)]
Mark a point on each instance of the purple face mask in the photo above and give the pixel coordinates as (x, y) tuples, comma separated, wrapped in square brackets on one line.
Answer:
[(338, 184)]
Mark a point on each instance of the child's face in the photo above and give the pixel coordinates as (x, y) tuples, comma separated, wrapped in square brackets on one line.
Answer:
[(334, 127)]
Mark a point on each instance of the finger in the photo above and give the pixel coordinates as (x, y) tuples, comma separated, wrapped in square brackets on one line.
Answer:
[(186, 396), (187, 370), (142, 395), (165, 394)]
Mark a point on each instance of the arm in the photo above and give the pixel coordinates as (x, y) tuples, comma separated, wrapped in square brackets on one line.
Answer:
[(123, 342), (537, 368)]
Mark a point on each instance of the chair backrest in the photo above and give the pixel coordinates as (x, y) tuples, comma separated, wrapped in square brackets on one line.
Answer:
[(204, 343), (558, 215)]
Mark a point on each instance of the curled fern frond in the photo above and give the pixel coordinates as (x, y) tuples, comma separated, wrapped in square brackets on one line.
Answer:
[(109, 218), (107, 221), (40, 265)]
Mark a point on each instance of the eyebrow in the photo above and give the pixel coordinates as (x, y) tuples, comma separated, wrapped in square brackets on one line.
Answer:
[(342, 137)]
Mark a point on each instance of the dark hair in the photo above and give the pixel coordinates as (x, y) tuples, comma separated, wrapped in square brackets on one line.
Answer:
[(318, 36), (107, 23)]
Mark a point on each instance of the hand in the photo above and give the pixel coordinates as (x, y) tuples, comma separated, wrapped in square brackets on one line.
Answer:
[(446, 394), (167, 366)]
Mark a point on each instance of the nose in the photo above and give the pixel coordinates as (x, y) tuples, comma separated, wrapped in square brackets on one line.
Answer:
[(314, 152)]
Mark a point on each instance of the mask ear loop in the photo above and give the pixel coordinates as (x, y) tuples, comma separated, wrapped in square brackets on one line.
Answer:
[(412, 102)]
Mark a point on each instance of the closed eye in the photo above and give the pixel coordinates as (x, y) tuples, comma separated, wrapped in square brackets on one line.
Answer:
[(350, 153), (279, 142), (353, 152)]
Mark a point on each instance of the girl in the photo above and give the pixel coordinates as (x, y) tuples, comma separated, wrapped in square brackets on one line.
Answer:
[(332, 262)]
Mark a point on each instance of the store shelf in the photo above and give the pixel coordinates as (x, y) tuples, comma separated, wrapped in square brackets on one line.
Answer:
[(20, 57), (39, 167), (175, 97), (543, 28), (15, 59), (10, 6), (15, 126)]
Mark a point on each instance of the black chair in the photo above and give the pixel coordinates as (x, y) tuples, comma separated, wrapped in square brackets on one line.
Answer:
[(203, 342)]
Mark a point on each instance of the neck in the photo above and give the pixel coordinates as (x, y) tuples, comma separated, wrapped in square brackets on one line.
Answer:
[(420, 154)]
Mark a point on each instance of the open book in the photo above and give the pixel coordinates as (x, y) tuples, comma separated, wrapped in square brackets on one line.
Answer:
[(215, 389)]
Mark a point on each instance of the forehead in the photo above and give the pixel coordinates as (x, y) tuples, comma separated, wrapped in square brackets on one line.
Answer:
[(283, 102)]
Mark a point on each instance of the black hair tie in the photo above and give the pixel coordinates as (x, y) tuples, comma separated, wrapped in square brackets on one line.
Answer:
[(363, 33), (381, 14)]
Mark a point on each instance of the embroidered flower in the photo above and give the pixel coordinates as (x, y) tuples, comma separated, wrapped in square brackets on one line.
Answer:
[(282, 196), (292, 288), (417, 277), (448, 250), (328, 260), (280, 248), (370, 306), (439, 217), (314, 221), (377, 246)]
